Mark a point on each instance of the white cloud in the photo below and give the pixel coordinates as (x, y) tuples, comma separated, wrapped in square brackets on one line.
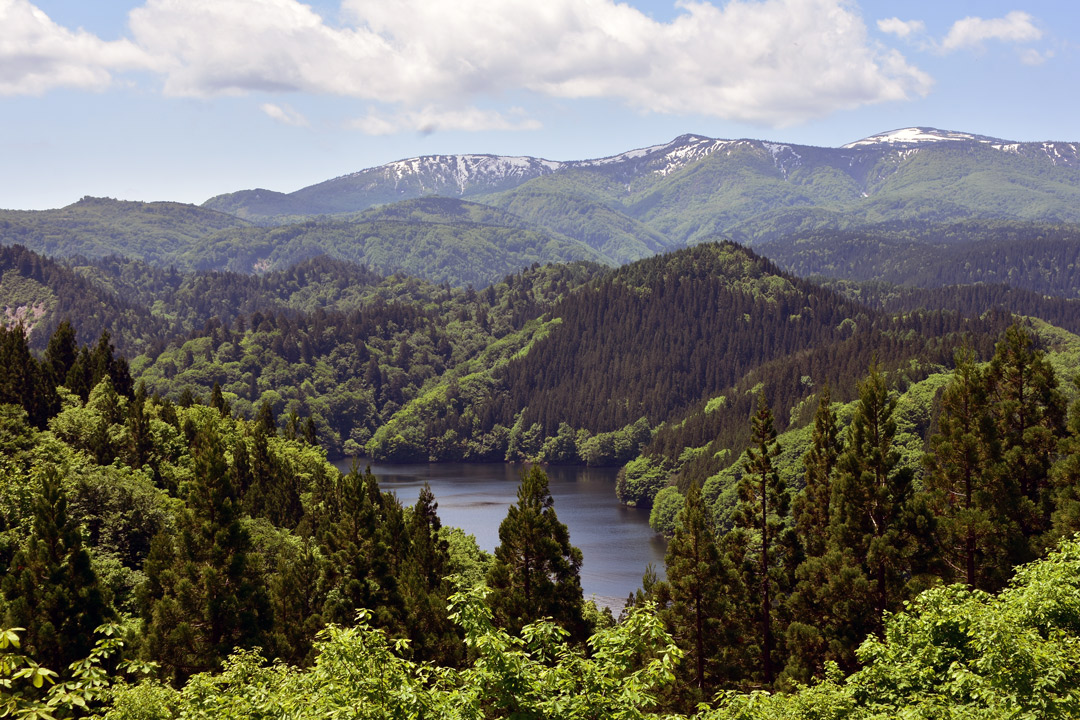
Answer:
[(972, 32), (901, 28), (37, 55), (432, 119), (1033, 57), (775, 62), (284, 114)]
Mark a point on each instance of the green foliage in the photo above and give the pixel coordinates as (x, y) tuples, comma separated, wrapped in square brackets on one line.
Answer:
[(639, 481), (359, 670), (700, 598), (30, 691), (666, 507), (535, 572), (203, 597), (50, 587)]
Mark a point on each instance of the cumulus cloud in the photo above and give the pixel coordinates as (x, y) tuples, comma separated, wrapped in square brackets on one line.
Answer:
[(972, 32), (37, 55), (432, 119), (284, 114), (774, 62), (901, 28)]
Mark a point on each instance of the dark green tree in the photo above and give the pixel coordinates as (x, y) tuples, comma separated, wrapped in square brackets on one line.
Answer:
[(203, 595), (1029, 414), (1065, 476), (875, 524), (964, 484), (424, 587), (700, 598), (50, 588), (764, 552), (22, 381), (535, 572), (61, 353), (811, 506), (361, 559)]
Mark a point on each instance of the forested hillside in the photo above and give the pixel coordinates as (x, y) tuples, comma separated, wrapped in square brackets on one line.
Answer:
[(199, 545), (1028, 256)]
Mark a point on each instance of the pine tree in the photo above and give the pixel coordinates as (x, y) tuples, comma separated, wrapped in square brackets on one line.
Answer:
[(535, 572), (50, 588), (811, 507), (701, 594), (963, 481), (61, 353), (874, 523), (760, 517), (1065, 476), (204, 597), (361, 560), (424, 588), (1029, 413)]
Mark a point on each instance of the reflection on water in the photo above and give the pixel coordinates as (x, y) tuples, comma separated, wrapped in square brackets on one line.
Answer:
[(615, 540)]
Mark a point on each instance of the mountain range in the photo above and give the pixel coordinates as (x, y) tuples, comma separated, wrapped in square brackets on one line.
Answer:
[(470, 219)]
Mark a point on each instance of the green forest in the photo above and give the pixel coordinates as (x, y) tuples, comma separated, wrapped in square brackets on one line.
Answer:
[(171, 560), (870, 489)]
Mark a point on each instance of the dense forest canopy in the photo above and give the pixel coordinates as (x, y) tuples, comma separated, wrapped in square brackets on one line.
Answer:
[(870, 486)]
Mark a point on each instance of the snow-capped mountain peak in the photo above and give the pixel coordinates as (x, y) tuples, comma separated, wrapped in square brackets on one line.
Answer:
[(918, 136)]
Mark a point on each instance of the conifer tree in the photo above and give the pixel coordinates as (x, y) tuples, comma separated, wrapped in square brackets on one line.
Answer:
[(360, 560), (1065, 476), (535, 572), (874, 524), (701, 594), (1029, 414), (50, 588), (22, 381), (61, 352), (760, 518), (140, 441), (204, 597), (424, 588), (811, 507), (964, 483)]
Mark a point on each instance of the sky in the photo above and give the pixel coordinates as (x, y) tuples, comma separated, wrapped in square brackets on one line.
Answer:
[(186, 99)]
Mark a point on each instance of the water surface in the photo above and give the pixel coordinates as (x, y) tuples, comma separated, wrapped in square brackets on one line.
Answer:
[(615, 541)]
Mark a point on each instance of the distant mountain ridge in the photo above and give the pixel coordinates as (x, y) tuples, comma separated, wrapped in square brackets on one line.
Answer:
[(472, 175), (899, 195)]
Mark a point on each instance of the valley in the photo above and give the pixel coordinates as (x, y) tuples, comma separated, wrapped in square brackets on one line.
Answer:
[(778, 363)]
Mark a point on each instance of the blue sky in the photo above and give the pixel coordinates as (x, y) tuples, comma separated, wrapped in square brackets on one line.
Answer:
[(185, 99)]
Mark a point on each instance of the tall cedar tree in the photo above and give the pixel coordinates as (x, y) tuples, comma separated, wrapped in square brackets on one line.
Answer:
[(61, 353), (1029, 413), (1066, 479), (874, 522), (204, 598), (424, 588), (700, 597), (763, 553), (22, 380), (966, 490), (535, 572), (811, 507), (50, 588), (813, 635), (358, 540)]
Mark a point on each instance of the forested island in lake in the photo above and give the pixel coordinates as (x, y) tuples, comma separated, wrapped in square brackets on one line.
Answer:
[(856, 423)]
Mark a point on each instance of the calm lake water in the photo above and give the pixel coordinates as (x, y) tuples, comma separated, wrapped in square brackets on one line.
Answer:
[(615, 540)]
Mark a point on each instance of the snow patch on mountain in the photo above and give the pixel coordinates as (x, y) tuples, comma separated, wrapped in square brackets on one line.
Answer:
[(911, 135)]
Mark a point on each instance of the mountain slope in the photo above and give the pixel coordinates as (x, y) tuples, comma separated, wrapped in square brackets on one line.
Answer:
[(97, 227)]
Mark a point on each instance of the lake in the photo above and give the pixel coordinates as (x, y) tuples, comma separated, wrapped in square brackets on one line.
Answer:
[(615, 541)]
